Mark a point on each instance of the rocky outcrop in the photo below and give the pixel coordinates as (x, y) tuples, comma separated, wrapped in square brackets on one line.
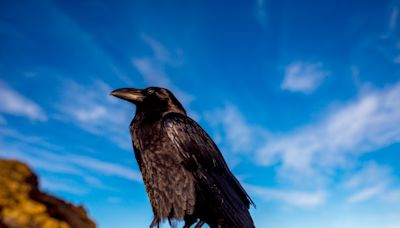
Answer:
[(23, 205)]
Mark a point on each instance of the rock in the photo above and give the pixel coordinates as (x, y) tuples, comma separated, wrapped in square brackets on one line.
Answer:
[(23, 205)]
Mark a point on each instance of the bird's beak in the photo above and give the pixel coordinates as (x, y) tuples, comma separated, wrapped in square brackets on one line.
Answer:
[(129, 94)]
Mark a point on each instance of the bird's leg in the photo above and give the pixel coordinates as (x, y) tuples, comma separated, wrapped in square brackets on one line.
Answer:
[(187, 225), (155, 223), (189, 221), (199, 224), (172, 223)]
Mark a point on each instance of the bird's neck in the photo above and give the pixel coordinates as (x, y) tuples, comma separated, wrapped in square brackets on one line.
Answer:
[(156, 114), (142, 117)]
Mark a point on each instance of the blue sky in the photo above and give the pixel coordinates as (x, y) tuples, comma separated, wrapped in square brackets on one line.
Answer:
[(302, 97)]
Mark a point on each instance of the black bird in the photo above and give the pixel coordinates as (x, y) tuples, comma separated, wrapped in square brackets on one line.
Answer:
[(185, 175)]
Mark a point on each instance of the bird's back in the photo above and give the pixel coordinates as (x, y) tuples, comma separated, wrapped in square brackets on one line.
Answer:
[(221, 200)]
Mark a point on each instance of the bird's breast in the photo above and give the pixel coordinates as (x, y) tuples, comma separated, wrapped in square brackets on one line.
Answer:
[(169, 185)]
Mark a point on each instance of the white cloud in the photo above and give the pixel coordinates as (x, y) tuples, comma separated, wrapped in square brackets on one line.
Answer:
[(8, 132), (392, 196), (237, 134), (114, 200), (3, 121), (153, 68), (95, 182), (106, 168), (393, 20), (12, 102), (37, 161), (294, 198), (310, 156), (160, 52), (372, 181), (30, 74), (261, 13), (94, 110), (371, 174), (366, 194), (58, 186), (153, 73), (303, 77), (85, 167), (397, 59), (366, 124)]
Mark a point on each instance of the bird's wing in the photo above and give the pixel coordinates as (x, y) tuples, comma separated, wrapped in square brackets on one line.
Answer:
[(202, 157)]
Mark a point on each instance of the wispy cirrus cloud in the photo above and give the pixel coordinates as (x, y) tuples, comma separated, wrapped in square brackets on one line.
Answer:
[(232, 130), (152, 72), (393, 52), (67, 164), (36, 160), (152, 68), (303, 77), (14, 103), (392, 196), (371, 181), (160, 52), (106, 168), (261, 12), (371, 174), (393, 20), (87, 168), (397, 59), (62, 186), (366, 194), (91, 108), (365, 124), (310, 156), (292, 197), (10, 133), (388, 43), (2, 120)]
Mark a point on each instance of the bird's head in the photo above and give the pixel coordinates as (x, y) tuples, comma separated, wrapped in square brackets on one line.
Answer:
[(151, 99)]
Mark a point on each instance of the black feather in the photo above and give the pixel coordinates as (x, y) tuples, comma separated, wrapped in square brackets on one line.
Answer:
[(185, 174), (217, 185)]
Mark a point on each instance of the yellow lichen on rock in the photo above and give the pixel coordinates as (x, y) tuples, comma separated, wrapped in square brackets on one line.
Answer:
[(22, 205)]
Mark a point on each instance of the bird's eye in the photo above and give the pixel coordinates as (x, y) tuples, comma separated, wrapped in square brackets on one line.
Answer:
[(150, 91)]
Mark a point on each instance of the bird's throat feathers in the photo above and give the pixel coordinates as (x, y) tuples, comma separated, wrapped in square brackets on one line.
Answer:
[(142, 116)]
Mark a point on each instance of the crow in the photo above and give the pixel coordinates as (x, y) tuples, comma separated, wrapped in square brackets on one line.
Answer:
[(185, 175)]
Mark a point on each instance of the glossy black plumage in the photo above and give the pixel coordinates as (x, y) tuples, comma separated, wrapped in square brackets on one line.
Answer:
[(185, 174)]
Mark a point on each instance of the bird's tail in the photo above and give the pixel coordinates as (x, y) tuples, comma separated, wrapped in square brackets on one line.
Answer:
[(242, 220), (234, 209)]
